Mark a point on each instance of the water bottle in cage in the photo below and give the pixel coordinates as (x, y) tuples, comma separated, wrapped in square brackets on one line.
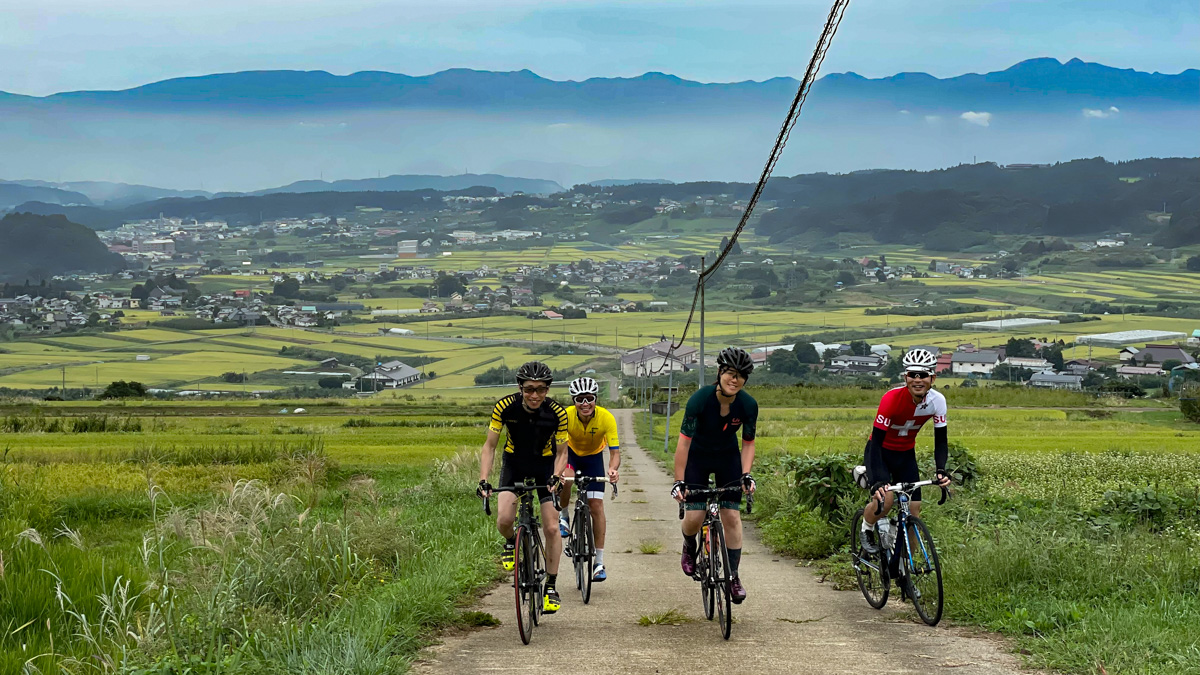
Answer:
[(887, 534)]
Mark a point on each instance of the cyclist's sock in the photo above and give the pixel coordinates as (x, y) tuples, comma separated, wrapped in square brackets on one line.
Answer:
[(691, 543), (867, 527), (599, 556), (511, 541), (550, 579), (735, 557)]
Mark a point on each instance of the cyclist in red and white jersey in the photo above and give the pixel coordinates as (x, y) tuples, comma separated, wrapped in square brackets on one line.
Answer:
[(891, 456)]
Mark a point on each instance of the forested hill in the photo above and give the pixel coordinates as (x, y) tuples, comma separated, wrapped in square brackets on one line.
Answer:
[(37, 247), (962, 206)]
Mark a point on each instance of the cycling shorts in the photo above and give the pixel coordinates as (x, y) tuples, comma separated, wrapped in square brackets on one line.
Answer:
[(514, 471), (902, 465), (726, 466), (589, 465)]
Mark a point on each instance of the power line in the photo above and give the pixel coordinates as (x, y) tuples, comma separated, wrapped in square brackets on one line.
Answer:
[(789, 123), (832, 22)]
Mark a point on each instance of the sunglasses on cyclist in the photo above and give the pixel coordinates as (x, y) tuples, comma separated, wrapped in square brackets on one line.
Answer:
[(586, 398), (532, 391), (917, 374)]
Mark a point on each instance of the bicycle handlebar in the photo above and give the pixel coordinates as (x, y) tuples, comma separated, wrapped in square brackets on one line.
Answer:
[(584, 480), (517, 489), (735, 486), (908, 488)]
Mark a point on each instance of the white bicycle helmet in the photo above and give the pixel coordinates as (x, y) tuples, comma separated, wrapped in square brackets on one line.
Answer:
[(583, 385), (919, 359)]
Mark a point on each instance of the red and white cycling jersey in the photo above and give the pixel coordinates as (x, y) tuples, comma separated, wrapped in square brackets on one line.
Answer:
[(902, 419)]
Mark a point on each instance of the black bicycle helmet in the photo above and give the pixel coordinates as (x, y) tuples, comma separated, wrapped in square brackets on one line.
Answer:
[(737, 359), (536, 371)]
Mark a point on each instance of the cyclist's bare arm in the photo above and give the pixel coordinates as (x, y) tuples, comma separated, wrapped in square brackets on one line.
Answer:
[(681, 455), (560, 459), (488, 454), (747, 456), (614, 463)]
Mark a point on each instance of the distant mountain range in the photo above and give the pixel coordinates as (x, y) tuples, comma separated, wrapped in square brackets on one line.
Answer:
[(242, 131), (503, 184), (1042, 83), (118, 195)]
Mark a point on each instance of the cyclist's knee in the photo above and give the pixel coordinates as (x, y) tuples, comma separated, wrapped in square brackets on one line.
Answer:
[(596, 506)]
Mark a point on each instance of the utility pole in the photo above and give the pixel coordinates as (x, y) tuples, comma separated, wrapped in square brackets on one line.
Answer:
[(701, 368), (670, 386)]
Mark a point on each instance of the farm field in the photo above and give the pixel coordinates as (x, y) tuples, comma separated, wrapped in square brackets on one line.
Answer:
[(180, 357), (368, 517), (1074, 536)]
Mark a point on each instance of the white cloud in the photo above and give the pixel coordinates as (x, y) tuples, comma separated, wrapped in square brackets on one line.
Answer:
[(983, 119), (933, 119), (1093, 113), (904, 112)]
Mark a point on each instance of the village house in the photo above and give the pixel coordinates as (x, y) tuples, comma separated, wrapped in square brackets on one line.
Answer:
[(658, 358)]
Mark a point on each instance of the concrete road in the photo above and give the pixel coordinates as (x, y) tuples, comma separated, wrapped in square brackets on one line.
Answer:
[(790, 623)]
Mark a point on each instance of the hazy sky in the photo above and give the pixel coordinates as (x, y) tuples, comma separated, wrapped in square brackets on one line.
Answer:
[(63, 45)]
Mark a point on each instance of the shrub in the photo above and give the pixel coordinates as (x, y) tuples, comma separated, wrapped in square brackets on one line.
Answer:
[(801, 532)]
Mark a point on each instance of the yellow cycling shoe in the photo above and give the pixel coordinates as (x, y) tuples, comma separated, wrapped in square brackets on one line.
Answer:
[(550, 601), (506, 557)]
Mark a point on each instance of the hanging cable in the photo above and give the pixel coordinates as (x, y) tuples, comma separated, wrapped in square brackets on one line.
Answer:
[(810, 74)]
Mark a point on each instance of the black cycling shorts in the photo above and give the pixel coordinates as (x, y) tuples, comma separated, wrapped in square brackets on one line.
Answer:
[(902, 465), (514, 471), (726, 466)]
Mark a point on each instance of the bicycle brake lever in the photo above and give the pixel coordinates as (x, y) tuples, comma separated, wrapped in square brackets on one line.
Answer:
[(945, 494), (681, 510), (487, 505)]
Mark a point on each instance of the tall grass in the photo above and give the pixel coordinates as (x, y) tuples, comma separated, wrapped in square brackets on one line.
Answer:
[(95, 423), (314, 575)]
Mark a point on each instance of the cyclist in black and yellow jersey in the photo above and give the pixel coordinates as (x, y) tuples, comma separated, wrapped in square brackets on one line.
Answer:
[(536, 448), (590, 429)]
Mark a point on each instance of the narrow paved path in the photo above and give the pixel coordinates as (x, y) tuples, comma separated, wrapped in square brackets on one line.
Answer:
[(789, 623)]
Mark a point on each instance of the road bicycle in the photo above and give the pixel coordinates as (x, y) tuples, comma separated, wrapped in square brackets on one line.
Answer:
[(712, 558), (580, 543), (529, 557), (905, 552)]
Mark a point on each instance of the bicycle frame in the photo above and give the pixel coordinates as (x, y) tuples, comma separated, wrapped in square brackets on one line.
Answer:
[(903, 492), (714, 585), (526, 582)]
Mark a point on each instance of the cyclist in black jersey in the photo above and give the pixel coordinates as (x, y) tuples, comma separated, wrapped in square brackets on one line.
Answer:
[(536, 447), (707, 445)]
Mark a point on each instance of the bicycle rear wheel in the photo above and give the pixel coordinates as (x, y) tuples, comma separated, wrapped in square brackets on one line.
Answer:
[(867, 567), (924, 576), (721, 574), (585, 552), (522, 578)]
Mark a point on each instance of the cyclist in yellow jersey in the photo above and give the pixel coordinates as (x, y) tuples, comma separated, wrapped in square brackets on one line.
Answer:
[(590, 428)]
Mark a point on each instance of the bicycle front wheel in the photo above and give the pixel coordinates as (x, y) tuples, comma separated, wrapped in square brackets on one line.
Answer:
[(867, 567), (707, 594), (721, 575), (523, 579), (585, 552), (924, 572)]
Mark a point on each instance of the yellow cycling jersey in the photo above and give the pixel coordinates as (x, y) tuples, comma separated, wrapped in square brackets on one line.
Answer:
[(591, 438)]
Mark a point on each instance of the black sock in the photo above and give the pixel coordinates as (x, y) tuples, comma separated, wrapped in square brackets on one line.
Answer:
[(690, 543), (511, 541), (735, 558), (550, 579)]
